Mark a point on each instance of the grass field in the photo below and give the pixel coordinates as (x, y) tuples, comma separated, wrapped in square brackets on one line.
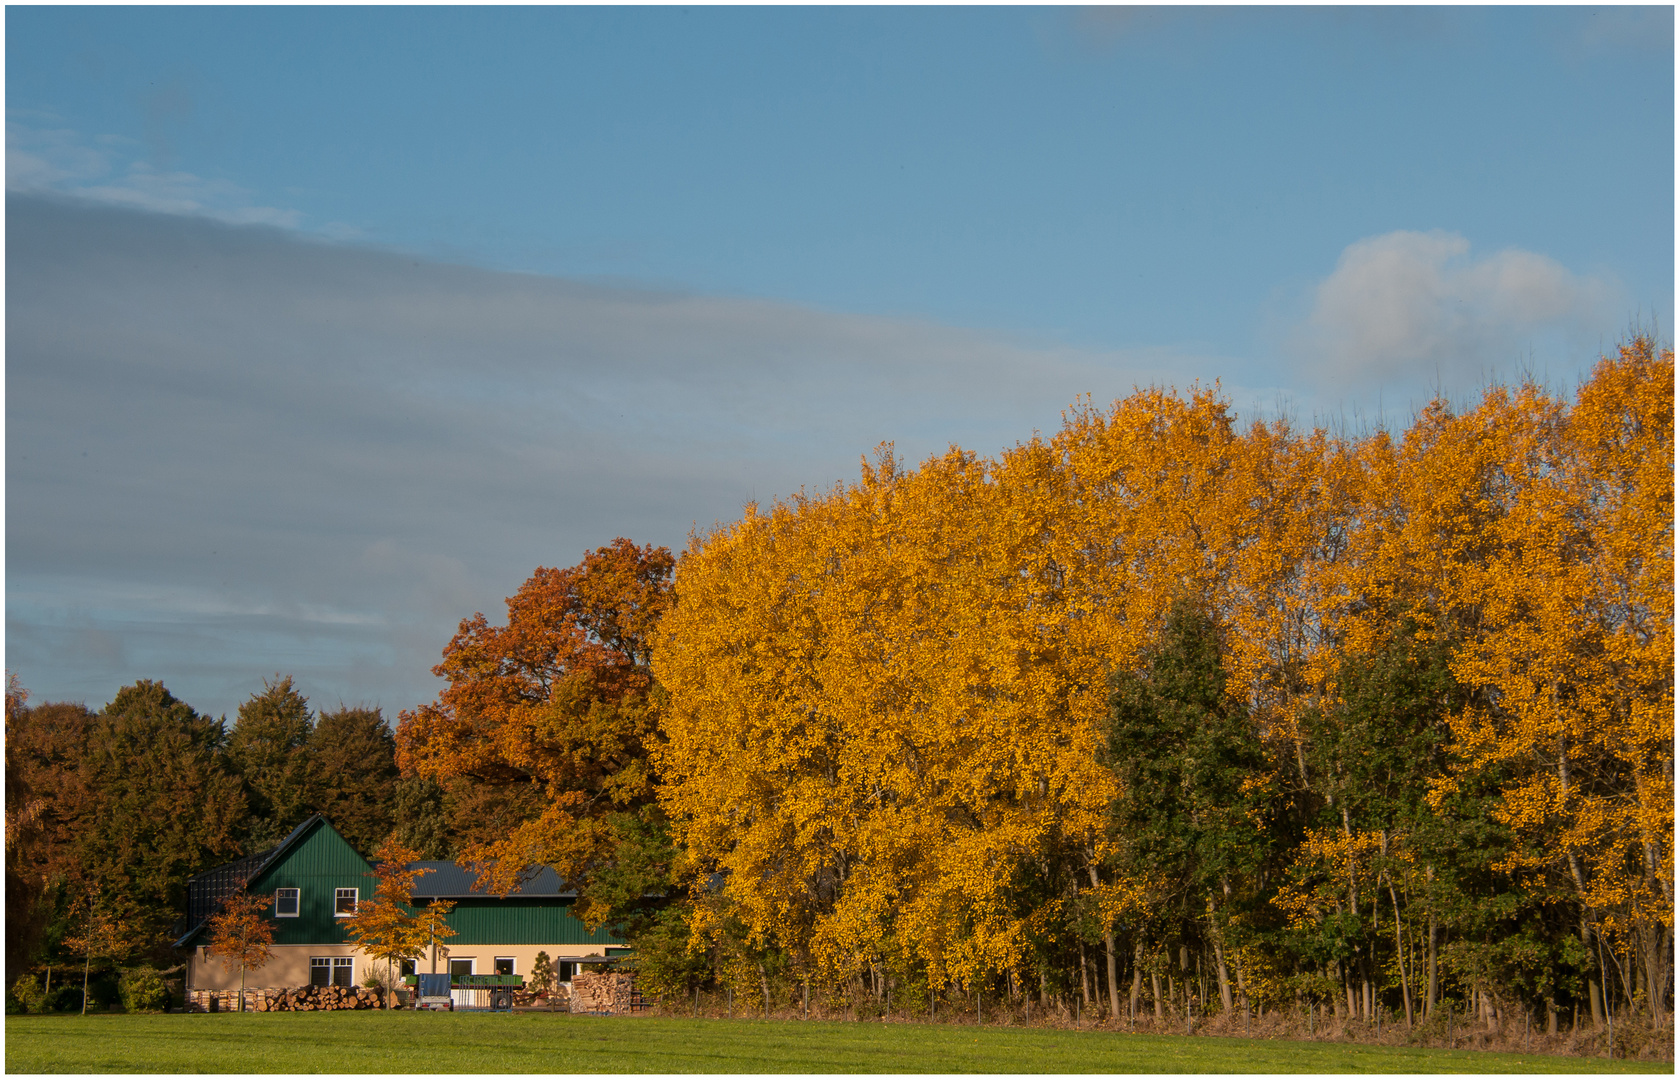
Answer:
[(538, 1043)]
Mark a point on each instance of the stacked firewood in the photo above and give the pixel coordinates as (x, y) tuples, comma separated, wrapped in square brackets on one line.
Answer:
[(313, 998), (606, 992)]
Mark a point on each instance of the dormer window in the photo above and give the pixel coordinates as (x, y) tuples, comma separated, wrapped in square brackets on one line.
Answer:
[(344, 903), (285, 903)]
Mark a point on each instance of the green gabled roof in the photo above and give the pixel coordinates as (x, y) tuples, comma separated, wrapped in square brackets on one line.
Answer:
[(207, 892)]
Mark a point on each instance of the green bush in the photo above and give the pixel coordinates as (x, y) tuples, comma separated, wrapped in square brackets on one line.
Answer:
[(65, 997), (25, 995), (142, 990)]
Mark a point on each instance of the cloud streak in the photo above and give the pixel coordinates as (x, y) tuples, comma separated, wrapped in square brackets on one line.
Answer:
[(58, 160), (235, 451)]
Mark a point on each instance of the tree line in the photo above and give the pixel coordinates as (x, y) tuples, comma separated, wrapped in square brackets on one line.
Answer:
[(108, 813), (1258, 717), (1159, 714)]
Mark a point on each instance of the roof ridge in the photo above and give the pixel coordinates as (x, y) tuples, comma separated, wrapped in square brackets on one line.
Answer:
[(260, 861)]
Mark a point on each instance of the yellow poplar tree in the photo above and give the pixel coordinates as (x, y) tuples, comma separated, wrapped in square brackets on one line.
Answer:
[(1577, 604)]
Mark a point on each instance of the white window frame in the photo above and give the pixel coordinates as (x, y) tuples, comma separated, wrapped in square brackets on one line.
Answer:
[(297, 904), (355, 902), (332, 964), (513, 964), (472, 968)]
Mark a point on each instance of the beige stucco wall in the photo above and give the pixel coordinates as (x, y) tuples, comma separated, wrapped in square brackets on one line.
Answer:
[(289, 964)]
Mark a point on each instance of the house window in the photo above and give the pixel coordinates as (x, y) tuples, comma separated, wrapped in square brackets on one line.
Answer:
[(285, 903), (504, 965), (344, 903), (460, 967), (407, 968), (332, 970), (563, 970)]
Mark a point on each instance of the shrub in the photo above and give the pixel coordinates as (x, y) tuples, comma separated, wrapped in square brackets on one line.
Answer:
[(142, 989), (65, 997), (25, 995), (541, 981)]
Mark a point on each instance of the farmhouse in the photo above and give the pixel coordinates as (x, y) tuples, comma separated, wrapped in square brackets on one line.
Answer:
[(314, 881)]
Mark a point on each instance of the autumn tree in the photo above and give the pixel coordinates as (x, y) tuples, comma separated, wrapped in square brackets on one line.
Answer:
[(873, 717), (539, 739), (385, 926), (242, 933), (102, 932), (1442, 729), (48, 800), (431, 927), (1575, 599)]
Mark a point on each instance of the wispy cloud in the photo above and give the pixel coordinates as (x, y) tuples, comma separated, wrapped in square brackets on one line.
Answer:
[(1407, 306), (43, 159), (269, 453)]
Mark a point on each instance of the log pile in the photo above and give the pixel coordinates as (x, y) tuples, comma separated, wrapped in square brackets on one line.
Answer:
[(316, 998), (217, 1000), (604, 992)]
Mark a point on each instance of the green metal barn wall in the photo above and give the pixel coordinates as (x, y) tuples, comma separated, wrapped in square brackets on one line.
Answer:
[(322, 862), (522, 922), (316, 866)]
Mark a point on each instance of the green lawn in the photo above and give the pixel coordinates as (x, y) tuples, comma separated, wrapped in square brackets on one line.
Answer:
[(540, 1043)]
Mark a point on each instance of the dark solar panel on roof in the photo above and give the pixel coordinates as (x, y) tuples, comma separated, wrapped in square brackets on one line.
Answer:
[(448, 879)]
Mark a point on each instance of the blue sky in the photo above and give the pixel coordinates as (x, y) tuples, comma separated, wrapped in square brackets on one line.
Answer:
[(631, 267)]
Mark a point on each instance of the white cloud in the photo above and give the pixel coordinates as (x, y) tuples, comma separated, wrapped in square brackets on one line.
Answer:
[(1411, 306)]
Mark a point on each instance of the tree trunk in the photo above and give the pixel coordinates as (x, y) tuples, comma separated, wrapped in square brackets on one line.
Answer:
[(1434, 971), (1137, 976), (1224, 977), (1400, 954), (1595, 994), (1108, 945), (1113, 976), (1155, 990)]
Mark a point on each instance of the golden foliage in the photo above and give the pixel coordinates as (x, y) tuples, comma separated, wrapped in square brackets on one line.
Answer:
[(888, 700)]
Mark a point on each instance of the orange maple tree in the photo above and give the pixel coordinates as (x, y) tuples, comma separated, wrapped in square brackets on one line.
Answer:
[(242, 933), (550, 711), (385, 925)]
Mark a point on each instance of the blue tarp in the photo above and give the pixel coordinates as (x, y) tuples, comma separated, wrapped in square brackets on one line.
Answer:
[(435, 985)]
